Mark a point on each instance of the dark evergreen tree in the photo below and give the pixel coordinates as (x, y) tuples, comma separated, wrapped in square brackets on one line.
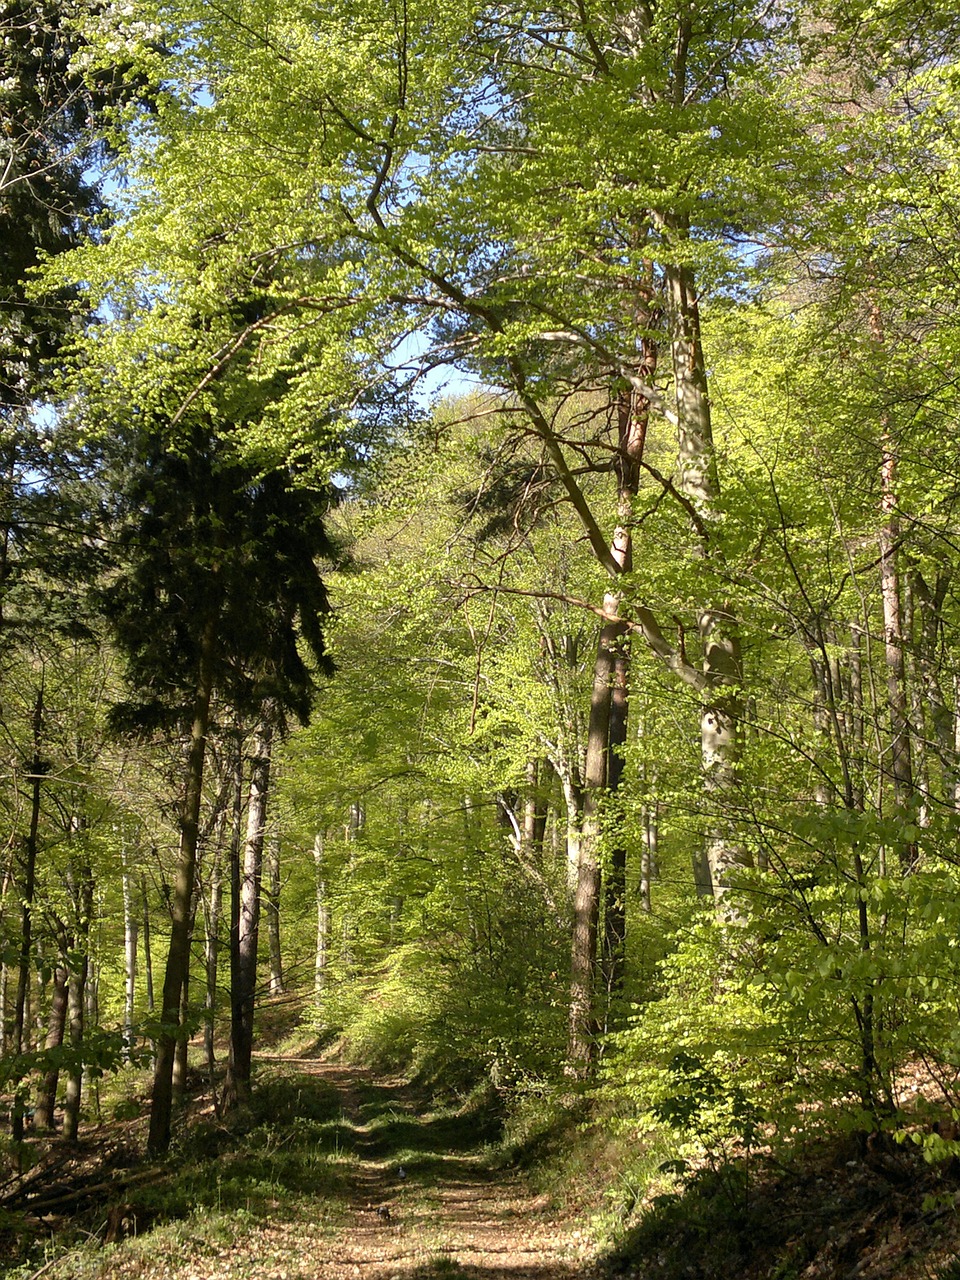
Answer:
[(217, 582), (46, 197)]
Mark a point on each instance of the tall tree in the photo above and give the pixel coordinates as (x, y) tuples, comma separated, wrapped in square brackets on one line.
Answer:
[(218, 582)]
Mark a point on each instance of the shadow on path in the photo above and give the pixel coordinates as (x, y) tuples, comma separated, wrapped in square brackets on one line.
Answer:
[(421, 1200)]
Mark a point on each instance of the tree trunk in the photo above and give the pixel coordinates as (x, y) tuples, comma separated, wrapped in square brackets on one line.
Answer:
[(37, 770), (323, 919), (606, 737), (130, 955), (212, 914), (900, 753), (179, 1082), (237, 1085), (586, 904), (56, 1022), (857, 766), (615, 881), (717, 626), (354, 825), (9, 878), (147, 954), (80, 883), (74, 1087), (178, 956), (930, 602), (648, 859), (534, 811), (272, 906), (148, 963), (573, 806)]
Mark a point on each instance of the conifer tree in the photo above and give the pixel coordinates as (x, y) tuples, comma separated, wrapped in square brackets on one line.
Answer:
[(218, 583)]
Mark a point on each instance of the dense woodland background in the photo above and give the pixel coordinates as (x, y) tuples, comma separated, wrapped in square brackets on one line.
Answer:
[(479, 545)]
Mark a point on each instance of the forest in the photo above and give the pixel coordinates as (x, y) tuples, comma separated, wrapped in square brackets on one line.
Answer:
[(479, 602)]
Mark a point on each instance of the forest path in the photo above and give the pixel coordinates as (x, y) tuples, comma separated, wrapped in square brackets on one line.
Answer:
[(410, 1198)]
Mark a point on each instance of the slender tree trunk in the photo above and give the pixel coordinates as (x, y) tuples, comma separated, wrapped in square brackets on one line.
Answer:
[(236, 878), (354, 825), (272, 906), (147, 954), (37, 770), (179, 1082), (900, 752), (649, 867), (212, 914), (573, 807), (80, 881), (148, 963), (606, 738), (74, 1086), (534, 810), (56, 1022), (178, 956), (930, 601), (857, 767), (237, 1085), (28, 1028), (8, 882), (91, 1079), (615, 880), (130, 954), (323, 919)]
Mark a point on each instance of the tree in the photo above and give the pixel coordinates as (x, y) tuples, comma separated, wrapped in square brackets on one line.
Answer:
[(219, 568)]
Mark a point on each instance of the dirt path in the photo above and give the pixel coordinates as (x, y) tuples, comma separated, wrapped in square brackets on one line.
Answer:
[(339, 1176), (417, 1200)]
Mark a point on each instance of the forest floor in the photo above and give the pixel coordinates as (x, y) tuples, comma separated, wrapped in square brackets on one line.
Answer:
[(341, 1175), (337, 1174)]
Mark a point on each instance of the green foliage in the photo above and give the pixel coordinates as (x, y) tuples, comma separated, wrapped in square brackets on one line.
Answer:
[(203, 538)]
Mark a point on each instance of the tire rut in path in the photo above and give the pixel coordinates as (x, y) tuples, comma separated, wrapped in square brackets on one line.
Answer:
[(418, 1201)]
